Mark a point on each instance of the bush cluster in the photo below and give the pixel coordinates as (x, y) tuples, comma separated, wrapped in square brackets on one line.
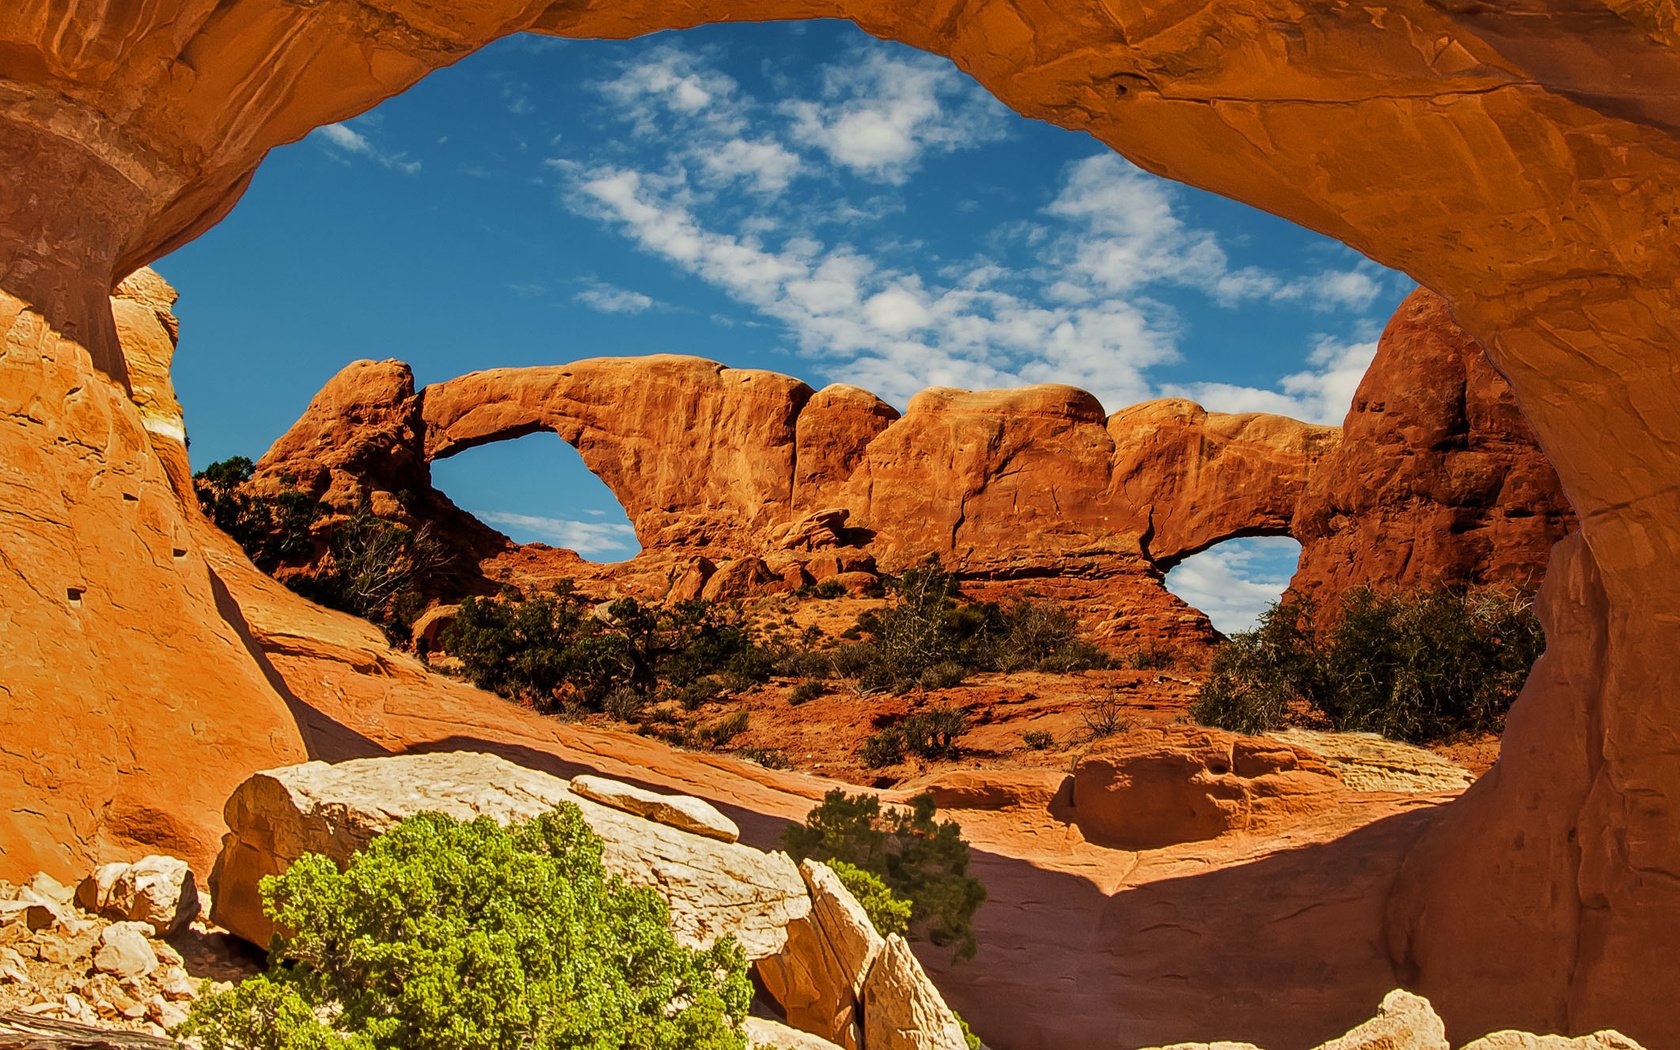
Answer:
[(930, 636), (916, 860), (371, 567), (1419, 666), (476, 937), (930, 734), (557, 650)]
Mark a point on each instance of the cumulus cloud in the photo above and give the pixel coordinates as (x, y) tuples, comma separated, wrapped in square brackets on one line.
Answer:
[(610, 299), (879, 114), (346, 140), (1109, 246), (591, 539), (1235, 582)]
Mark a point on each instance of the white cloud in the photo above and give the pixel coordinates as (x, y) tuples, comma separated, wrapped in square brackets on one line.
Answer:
[(346, 139), (610, 299), (879, 113), (1320, 394), (763, 165), (591, 539), (1234, 582), (667, 82)]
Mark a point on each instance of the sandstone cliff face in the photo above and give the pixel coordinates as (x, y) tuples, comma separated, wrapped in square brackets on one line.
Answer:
[(1437, 479), (1525, 164)]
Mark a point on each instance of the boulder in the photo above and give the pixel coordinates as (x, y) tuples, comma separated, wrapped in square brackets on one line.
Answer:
[(276, 816), (741, 578), (763, 1034), (1159, 786), (818, 979), (677, 811), (902, 1010), (125, 950), (156, 890)]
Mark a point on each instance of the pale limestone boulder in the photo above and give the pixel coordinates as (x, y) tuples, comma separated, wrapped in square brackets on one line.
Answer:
[(157, 890), (1371, 762), (125, 950), (1404, 1022), (677, 811), (818, 978), (1605, 1040), (714, 888), (902, 1010), (772, 1035)]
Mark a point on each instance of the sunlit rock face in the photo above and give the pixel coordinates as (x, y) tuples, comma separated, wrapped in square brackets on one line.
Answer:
[(1524, 162), (1437, 479)]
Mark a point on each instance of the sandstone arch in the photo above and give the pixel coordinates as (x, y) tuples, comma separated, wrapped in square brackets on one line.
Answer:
[(1524, 161)]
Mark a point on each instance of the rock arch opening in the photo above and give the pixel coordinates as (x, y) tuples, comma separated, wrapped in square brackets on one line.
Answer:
[(537, 489), (1234, 581)]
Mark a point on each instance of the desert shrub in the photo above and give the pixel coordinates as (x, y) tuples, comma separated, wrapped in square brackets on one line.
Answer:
[(625, 704), (1149, 658), (551, 648), (923, 862), (1419, 666), (375, 569), (768, 757), (805, 692), (271, 530), (932, 637), (830, 589), (721, 732), (1039, 739), (934, 733), (885, 748), (1103, 715), (476, 937), (888, 912)]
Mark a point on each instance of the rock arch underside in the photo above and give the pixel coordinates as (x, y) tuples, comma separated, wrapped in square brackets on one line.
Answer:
[(1522, 160)]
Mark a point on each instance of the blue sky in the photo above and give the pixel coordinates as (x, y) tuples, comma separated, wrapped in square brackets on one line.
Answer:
[(800, 197)]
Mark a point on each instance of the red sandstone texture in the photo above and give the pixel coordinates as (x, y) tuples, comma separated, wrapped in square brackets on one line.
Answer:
[(1523, 162), (744, 482), (1437, 479)]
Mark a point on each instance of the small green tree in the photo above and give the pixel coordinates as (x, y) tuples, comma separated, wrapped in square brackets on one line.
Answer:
[(469, 936), (888, 912), (917, 859)]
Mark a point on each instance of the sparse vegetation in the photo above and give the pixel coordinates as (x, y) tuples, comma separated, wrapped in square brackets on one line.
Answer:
[(807, 691), (1104, 715), (930, 734), (469, 935), (1149, 658), (1420, 666), (932, 637), (918, 860), (556, 648), (371, 568), (1039, 739)]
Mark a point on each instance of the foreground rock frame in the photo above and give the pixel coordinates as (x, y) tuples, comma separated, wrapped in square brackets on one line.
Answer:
[(1524, 163)]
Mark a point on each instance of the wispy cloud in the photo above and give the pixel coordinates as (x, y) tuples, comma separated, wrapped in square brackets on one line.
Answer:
[(1234, 582), (610, 299), (877, 115), (592, 539), (346, 140)]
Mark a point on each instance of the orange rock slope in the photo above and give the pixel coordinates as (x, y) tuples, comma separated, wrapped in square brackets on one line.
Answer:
[(1522, 161)]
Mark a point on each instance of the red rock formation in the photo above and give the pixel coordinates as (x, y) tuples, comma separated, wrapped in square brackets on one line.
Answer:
[(1523, 162), (1437, 480)]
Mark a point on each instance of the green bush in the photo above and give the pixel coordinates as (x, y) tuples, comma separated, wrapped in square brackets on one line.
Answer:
[(273, 531), (830, 589), (888, 912), (1039, 739), (918, 860), (1418, 666), (471, 936), (932, 637), (885, 748), (932, 734), (805, 692), (550, 648)]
